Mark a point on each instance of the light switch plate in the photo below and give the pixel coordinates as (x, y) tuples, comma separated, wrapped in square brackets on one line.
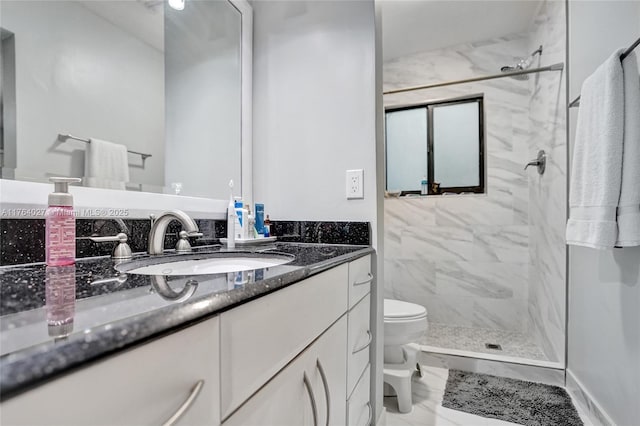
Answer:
[(355, 183)]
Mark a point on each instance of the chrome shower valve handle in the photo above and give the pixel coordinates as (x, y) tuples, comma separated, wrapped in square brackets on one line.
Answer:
[(540, 162)]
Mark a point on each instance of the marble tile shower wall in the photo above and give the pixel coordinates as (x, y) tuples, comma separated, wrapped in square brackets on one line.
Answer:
[(548, 193), (466, 257)]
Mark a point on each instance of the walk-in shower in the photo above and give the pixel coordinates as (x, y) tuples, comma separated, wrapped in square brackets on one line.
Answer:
[(490, 266)]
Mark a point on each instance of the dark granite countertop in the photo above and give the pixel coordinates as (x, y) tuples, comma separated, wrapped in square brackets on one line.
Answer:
[(56, 319)]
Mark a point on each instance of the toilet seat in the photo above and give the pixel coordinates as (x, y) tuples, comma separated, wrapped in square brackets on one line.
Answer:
[(398, 311)]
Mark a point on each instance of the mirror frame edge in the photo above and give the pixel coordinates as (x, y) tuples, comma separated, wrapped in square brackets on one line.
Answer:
[(33, 195), (246, 89)]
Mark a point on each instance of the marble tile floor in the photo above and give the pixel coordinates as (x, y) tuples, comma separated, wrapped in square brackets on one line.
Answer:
[(428, 392), (472, 339)]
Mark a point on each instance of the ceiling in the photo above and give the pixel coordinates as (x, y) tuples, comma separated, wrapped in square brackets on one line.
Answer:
[(408, 26), (412, 26), (143, 19)]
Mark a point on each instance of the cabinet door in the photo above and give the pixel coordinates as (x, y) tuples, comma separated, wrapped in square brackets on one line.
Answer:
[(259, 338), (284, 401), (310, 391), (143, 386), (329, 372)]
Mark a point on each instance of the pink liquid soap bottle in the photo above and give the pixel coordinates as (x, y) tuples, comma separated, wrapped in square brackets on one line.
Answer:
[(60, 224), (60, 293)]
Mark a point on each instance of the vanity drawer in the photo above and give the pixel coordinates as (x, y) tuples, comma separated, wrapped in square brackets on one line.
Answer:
[(359, 341), (359, 409), (259, 338), (360, 278), (144, 386)]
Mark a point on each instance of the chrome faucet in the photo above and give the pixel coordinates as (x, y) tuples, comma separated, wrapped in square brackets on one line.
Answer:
[(159, 228)]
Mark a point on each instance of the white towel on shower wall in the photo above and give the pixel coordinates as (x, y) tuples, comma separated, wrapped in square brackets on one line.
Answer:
[(596, 171), (106, 165), (629, 204)]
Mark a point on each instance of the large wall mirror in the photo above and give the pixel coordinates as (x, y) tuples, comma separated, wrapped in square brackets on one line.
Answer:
[(165, 83)]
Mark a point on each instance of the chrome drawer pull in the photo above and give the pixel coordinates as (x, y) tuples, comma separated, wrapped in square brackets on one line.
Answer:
[(327, 391), (312, 397), (367, 281), (365, 346), (368, 423), (186, 404)]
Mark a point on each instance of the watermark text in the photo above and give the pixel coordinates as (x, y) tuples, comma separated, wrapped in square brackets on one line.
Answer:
[(83, 212)]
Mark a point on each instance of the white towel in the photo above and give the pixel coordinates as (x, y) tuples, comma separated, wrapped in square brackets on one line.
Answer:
[(597, 158), (106, 165), (629, 204)]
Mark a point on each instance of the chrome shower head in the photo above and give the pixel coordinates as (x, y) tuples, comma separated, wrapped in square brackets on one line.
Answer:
[(522, 64), (518, 67)]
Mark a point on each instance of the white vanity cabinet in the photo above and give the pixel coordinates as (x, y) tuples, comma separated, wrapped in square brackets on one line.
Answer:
[(143, 386), (298, 356)]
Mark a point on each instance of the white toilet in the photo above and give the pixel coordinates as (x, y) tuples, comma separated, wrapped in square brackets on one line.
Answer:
[(404, 324)]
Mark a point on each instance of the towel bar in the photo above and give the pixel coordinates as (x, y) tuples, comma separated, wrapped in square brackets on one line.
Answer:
[(64, 138), (576, 101)]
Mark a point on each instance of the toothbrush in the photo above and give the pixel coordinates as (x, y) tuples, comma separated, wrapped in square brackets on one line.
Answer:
[(231, 219)]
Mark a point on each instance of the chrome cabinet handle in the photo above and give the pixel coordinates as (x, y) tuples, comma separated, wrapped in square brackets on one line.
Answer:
[(365, 346), (195, 391), (367, 281), (312, 397), (368, 423), (327, 391)]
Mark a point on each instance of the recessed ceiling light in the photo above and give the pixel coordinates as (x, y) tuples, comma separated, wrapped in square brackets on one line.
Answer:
[(176, 4)]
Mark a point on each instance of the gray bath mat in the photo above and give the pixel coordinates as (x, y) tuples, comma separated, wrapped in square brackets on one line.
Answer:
[(511, 400)]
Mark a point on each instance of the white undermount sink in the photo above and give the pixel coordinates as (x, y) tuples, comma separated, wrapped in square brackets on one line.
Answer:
[(209, 265)]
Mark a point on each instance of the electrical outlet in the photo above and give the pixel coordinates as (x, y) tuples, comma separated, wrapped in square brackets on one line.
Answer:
[(355, 182)]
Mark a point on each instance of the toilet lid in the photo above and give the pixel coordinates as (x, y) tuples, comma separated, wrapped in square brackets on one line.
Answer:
[(400, 309)]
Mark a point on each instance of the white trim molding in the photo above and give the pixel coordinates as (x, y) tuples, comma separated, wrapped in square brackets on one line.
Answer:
[(246, 131)]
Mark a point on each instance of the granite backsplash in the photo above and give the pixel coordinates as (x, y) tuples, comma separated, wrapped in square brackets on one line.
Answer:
[(22, 240)]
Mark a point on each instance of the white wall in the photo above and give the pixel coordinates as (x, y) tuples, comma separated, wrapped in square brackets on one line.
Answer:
[(314, 82), (314, 108), (604, 286), (77, 73)]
